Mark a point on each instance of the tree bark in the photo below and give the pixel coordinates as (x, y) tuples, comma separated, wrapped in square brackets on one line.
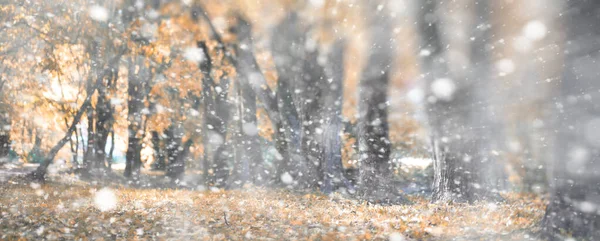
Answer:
[(221, 155), (331, 126), (159, 156), (373, 129), (4, 145), (289, 56), (138, 78), (459, 120), (104, 121), (175, 149), (40, 173), (575, 186), (250, 149)]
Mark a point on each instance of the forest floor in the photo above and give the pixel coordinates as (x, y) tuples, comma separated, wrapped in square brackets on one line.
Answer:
[(69, 210)]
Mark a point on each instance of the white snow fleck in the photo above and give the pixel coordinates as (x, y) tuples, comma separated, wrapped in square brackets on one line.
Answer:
[(193, 54), (535, 30), (105, 199), (159, 108), (34, 185), (376, 122), (577, 157), (216, 138), (98, 13), (318, 130), (194, 112), (443, 88), (287, 178), (255, 79), (116, 101), (249, 128), (415, 161), (587, 207), (40, 230), (397, 237), (39, 192), (505, 66), (278, 156), (416, 95), (514, 146), (218, 89)]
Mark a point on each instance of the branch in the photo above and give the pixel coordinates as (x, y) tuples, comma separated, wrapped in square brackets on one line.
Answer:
[(198, 9), (40, 172), (249, 64), (2, 84)]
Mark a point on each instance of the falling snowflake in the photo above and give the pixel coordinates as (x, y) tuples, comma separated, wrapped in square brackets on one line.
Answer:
[(98, 13), (286, 178), (396, 237), (443, 88), (193, 54), (535, 30), (505, 66), (105, 199), (415, 162), (249, 128)]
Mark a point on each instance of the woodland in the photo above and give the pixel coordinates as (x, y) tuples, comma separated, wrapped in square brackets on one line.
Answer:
[(299, 120)]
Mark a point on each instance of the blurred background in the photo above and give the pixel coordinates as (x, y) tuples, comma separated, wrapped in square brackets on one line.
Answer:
[(54, 51)]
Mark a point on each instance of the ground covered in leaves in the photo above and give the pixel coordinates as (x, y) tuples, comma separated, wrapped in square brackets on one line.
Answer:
[(78, 210)]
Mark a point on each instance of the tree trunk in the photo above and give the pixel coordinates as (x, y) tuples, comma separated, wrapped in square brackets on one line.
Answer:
[(104, 118), (40, 173), (175, 149), (4, 145), (373, 130), (331, 127), (575, 190), (458, 109), (240, 168), (89, 155), (138, 77), (159, 156), (250, 149), (221, 155), (289, 56)]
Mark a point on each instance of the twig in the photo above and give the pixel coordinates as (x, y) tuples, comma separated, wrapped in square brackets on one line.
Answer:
[(225, 218)]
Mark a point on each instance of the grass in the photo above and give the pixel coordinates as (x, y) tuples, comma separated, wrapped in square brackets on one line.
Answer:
[(67, 211)]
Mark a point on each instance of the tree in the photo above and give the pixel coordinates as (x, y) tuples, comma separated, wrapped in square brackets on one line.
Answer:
[(4, 122), (40, 173), (250, 152), (373, 129), (575, 179), (297, 100), (457, 107), (332, 125)]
